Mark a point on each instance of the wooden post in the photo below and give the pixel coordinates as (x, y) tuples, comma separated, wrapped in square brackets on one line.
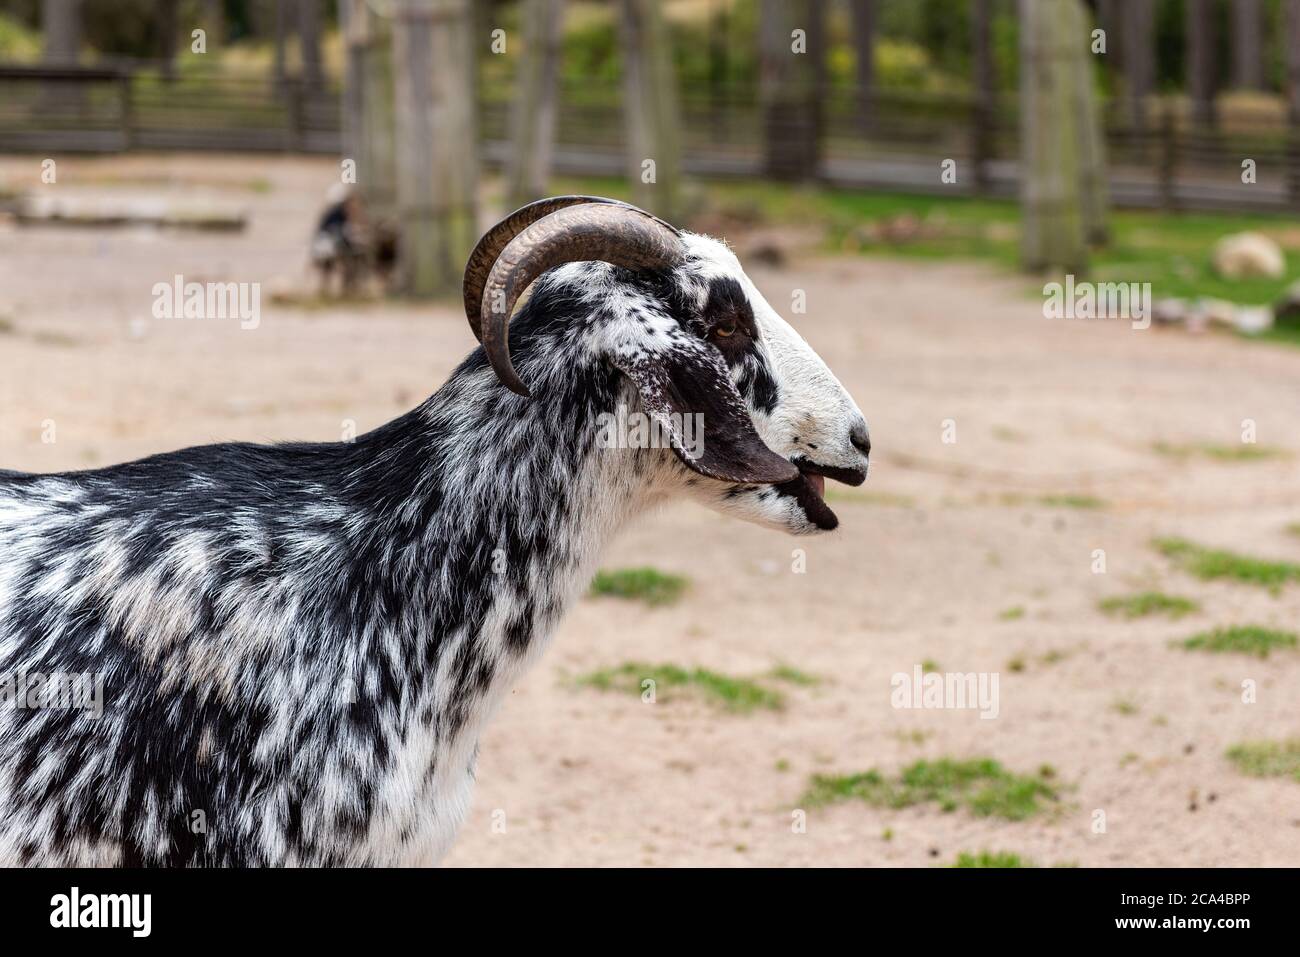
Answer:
[(1199, 20), (1168, 174), (281, 39), (1291, 58), (293, 104), (1090, 133), (787, 85), (983, 113), (1052, 233), (128, 109), (532, 114), (1139, 59), (864, 54), (650, 109), (1247, 54), (61, 31), (309, 44), (377, 154), (437, 170)]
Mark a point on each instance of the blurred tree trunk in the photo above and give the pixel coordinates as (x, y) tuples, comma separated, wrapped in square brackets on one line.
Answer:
[(1200, 59), (787, 89), (982, 145), (1053, 230), (283, 13), (864, 53), (1089, 129), (1247, 56), (61, 26), (1138, 53), (353, 28), (719, 67), (532, 114), (309, 43), (650, 109), (214, 22), (436, 148), (168, 24), (1291, 55)]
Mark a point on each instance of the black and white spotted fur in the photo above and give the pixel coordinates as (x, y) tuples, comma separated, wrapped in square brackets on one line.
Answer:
[(301, 643)]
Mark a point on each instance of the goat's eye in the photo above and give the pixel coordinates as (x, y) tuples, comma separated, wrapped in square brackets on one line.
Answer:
[(725, 331)]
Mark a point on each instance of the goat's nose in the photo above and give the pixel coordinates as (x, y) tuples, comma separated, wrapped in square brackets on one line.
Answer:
[(860, 438)]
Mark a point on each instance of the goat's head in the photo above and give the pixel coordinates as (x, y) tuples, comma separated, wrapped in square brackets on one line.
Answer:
[(755, 418)]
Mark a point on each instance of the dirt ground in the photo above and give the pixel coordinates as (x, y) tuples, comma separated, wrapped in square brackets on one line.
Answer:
[(932, 553)]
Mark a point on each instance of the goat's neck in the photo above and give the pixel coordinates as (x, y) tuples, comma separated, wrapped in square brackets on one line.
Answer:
[(515, 502)]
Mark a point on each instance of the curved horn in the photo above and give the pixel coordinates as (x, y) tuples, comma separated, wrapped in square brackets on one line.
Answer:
[(593, 232), (495, 239)]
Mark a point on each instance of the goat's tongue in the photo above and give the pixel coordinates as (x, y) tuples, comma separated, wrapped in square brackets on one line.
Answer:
[(818, 482)]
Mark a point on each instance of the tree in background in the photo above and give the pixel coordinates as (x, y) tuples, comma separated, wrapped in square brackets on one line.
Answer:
[(436, 148), (280, 33), (1247, 54), (214, 21), (1291, 52), (1062, 182), (309, 43), (1201, 62), (864, 46), (789, 78), (650, 109), (1138, 46), (168, 25), (533, 109), (61, 25)]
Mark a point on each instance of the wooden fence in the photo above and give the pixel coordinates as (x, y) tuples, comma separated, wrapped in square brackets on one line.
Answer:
[(896, 141)]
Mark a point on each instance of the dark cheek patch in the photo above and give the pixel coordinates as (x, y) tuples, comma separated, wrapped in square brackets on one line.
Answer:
[(757, 384)]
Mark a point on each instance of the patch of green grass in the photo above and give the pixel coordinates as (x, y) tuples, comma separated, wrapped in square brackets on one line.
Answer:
[(990, 859), (735, 694), (930, 665), (1071, 501), (981, 785), (793, 675), (1243, 452), (1124, 706), (1147, 603), (1012, 614), (1243, 639), (1293, 529), (1211, 563), (639, 584), (1267, 759), (1016, 664)]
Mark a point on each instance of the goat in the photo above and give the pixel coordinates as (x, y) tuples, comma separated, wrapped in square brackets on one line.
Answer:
[(299, 644)]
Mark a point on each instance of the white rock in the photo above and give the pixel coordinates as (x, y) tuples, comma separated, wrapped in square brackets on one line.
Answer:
[(1243, 255), (1253, 319)]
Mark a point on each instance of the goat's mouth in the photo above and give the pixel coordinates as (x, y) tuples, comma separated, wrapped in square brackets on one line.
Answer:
[(810, 487)]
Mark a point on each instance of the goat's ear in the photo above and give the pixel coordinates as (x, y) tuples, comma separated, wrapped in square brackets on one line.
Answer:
[(689, 395)]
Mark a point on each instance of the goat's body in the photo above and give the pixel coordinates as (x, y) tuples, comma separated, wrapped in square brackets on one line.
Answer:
[(300, 644)]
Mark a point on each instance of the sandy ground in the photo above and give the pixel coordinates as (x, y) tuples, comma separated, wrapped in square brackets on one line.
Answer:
[(941, 541)]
